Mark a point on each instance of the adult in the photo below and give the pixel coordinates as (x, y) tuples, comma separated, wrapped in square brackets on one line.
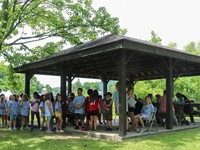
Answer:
[(187, 109)]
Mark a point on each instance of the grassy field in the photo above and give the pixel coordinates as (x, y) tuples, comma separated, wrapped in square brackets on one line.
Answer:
[(26, 140)]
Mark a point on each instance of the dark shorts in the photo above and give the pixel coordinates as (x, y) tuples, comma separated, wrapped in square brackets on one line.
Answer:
[(94, 113), (108, 115), (79, 116), (131, 109)]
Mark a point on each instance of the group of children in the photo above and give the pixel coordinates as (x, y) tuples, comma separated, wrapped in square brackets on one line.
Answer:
[(90, 107), (19, 108)]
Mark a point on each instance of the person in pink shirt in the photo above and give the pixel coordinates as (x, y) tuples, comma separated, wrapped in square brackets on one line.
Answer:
[(35, 109)]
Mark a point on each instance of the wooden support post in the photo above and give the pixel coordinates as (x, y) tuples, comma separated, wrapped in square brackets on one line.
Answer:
[(69, 83), (63, 93), (28, 77), (122, 93), (169, 94), (105, 83)]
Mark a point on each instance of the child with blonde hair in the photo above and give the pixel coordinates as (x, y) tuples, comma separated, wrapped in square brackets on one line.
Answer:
[(58, 114), (146, 112)]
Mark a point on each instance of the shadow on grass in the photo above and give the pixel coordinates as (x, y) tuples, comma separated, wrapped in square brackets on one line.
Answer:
[(27, 140)]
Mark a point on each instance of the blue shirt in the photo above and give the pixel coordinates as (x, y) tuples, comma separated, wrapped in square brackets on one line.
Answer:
[(58, 107), (115, 99), (24, 111), (147, 109), (71, 107), (42, 106), (2, 108), (47, 110), (79, 100), (14, 107)]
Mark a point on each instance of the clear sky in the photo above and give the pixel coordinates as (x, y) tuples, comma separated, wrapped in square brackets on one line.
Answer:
[(173, 20)]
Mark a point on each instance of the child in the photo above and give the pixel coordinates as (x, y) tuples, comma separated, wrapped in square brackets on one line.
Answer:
[(58, 114), (42, 109), (13, 108), (35, 109), (48, 111), (24, 111), (94, 109), (87, 103), (130, 102), (71, 109), (2, 110), (108, 111), (146, 112), (79, 102)]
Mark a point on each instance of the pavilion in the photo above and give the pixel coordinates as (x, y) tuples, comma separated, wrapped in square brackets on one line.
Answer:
[(116, 57)]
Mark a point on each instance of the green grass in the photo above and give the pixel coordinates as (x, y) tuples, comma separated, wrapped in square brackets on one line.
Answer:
[(26, 140)]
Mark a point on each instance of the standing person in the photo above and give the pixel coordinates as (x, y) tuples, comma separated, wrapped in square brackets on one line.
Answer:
[(115, 98), (101, 107), (108, 111), (24, 111), (79, 102), (146, 112), (87, 104), (48, 111), (35, 109), (53, 104), (71, 109), (42, 110), (130, 100), (58, 114), (13, 108), (2, 111), (94, 110), (6, 104)]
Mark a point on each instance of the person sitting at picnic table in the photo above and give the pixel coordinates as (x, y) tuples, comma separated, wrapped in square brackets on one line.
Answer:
[(146, 112), (162, 110), (187, 109)]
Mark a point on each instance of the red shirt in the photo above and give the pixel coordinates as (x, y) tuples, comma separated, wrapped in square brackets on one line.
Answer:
[(93, 106)]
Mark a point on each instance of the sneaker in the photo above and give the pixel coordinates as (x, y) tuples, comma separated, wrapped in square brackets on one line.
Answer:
[(14, 128), (21, 128), (143, 130), (49, 131), (40, 130), (57, 131), (61, 131), (94, 130), (76, 128), (137, 130), (10, 129), (128, 131), (107, 129)]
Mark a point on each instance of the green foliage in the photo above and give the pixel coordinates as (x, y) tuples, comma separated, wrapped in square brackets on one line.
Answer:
[(15, 82), (23, 23), (193, 48), (172, 45), (155, 38)]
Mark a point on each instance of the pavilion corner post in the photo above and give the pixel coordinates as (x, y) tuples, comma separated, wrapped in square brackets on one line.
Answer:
[(122, 93), (105, 83), (63, 81), (169, 94), (69, 83), (28, 77)]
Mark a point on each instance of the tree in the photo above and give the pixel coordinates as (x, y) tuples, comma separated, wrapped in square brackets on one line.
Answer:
[(155, 38), (172, 45), (23, 22), (193, 48)]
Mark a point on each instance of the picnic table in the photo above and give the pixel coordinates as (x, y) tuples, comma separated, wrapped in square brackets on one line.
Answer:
[(180, 113)]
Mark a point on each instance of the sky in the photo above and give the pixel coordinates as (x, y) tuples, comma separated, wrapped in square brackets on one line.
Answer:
[(173, 21)]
